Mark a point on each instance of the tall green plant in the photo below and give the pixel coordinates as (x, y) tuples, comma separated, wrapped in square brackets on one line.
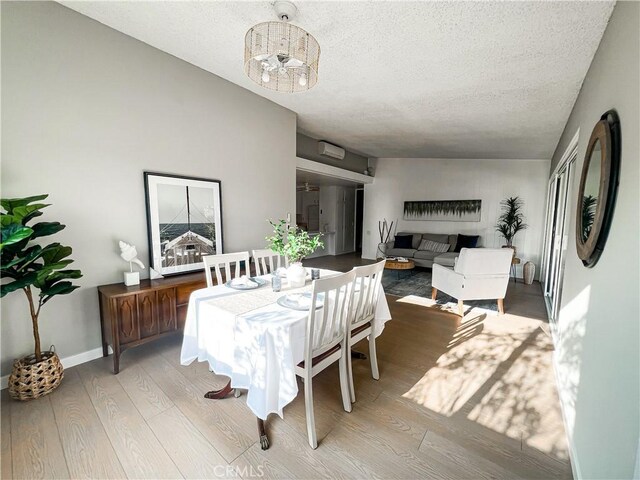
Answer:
[(292, 242), (29, 265), (512, 219)]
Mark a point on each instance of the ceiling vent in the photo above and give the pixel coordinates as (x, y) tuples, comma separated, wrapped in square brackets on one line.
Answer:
[(329, 150)]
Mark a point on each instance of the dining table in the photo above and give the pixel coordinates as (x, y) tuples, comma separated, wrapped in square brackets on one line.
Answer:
[(255, 339)]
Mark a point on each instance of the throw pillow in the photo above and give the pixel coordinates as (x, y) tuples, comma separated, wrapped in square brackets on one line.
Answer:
[(466, 241), (432, 246), (402, 241)]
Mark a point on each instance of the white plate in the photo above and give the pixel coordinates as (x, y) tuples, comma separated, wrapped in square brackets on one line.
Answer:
[(300, 301), (259, 281)]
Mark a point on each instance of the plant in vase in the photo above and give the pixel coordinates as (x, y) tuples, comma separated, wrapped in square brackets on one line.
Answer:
[(295, 244), (511, 221), (27, 265)]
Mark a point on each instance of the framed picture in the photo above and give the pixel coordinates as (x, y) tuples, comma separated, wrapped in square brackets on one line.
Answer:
[(184, 219), (443, 210)]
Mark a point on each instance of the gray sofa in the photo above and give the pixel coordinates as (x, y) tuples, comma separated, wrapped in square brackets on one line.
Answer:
[(425, 258)]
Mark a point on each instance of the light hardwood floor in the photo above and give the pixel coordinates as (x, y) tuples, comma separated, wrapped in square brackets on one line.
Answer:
[(457, 398)]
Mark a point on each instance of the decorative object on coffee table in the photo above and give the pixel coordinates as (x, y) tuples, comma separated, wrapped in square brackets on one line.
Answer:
[(598, 189), (528, 272), (130, 254), (443, 210), (511, 221), (30, 266), (295, 244)]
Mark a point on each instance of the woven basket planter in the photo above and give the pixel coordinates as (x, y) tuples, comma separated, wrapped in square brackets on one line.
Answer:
[(30, 379)]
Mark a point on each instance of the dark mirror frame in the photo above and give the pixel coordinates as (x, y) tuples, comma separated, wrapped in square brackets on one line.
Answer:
[(607, 131)]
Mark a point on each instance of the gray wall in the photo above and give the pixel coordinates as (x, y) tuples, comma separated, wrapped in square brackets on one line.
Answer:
[(598, 352), (307, 147), (85, 110)]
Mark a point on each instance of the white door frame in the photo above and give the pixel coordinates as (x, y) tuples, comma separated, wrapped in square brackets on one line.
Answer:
[(563, 173)]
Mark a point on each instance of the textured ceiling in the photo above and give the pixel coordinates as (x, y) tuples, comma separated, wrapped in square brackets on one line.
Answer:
[(402, 79)]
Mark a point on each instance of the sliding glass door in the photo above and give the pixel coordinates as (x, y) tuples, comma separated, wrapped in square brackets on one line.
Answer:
[(558, 212)]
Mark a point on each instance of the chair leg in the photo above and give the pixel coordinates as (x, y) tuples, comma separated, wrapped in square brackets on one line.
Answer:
[(344, 380), (352, 390), (461, 308), (374, 358), (311, 422), (434, 293), (501, 306)]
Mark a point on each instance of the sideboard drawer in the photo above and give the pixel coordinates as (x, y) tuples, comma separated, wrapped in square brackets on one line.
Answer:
[(183, 292)]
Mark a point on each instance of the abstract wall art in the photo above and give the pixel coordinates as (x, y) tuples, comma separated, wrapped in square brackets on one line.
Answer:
[(443, 210)]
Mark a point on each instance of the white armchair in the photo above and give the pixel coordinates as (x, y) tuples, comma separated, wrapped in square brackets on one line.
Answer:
[(479, 273)]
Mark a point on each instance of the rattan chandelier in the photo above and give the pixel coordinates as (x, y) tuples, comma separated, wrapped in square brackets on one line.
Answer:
[(280, 56)]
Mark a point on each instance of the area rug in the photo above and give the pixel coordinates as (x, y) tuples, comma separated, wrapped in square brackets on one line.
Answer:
[(418, 283)]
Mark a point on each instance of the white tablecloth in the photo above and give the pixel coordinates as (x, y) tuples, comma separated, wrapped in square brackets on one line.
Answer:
[(258, 350)]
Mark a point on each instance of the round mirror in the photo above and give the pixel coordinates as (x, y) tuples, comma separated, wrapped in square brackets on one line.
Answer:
[(598, 187), (591, 190)]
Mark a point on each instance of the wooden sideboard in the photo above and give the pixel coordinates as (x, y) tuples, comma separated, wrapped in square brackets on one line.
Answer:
[(132, 316)]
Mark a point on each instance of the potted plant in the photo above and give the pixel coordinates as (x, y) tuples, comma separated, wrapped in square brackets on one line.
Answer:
[(511, 221), (295, 244), (27, 265)]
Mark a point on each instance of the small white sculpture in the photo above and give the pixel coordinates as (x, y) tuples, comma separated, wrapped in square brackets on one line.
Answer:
[(129, 254)]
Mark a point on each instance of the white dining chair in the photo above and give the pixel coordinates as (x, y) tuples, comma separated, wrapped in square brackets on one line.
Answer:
[(224, 261), (267, 261), (368, 279), (326, 340)]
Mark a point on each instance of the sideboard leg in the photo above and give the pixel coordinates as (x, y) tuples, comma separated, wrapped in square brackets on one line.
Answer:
[(116, 362)]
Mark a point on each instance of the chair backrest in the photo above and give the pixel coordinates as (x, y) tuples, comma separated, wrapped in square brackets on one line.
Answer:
[(366, 292), (328, 326), (266, 261), (484, 261), (224, 260)]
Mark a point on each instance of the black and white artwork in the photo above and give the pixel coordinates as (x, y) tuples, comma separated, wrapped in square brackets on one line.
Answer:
[(443, 210), (184, 218)]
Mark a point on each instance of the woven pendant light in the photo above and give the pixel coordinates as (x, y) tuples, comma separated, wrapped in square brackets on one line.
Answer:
[(281, 56)]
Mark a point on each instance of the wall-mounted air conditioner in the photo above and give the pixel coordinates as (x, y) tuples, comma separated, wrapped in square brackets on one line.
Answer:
[(329, 150)]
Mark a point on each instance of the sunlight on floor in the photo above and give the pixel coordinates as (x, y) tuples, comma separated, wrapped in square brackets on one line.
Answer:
[(497, 373)]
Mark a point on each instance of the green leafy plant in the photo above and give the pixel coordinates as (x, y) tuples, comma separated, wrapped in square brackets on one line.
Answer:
[(292, 242), (512, 219), (28, 265), (589, 203)]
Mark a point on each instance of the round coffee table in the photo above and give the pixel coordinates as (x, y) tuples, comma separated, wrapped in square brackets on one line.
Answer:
[(398, 266)]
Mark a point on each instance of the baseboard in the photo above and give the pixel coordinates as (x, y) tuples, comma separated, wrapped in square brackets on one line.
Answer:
[(67, 362), (573, 457)]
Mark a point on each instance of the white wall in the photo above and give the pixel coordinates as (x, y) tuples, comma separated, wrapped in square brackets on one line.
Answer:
[(598, 352), (403, 179), (85, 110)]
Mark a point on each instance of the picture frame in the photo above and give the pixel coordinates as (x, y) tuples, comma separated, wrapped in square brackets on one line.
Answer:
[(184, 221)]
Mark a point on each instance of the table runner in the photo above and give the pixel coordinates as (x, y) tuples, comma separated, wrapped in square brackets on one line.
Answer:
[(257, 298)]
